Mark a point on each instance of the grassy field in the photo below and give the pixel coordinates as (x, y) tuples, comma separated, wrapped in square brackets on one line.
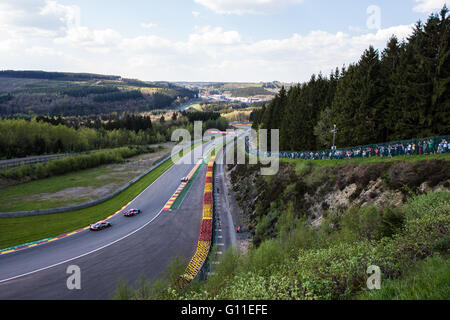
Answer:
[(196, 106), (15, 231), (302, 164), (426, 280), (76, 187)]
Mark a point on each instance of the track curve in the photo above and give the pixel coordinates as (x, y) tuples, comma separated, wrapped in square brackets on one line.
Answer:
[(141, 245)]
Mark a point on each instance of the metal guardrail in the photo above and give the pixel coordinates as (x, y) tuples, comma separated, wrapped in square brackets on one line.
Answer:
[(92, 203), (14, 163)]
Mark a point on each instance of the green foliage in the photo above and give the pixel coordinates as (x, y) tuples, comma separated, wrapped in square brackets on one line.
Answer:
[(265, 259), (165, 288), (287, 220), (84, 91), (33, 228), (331, 262), (400, 93), (425, 280), (391, 222), (70, 164), (332, 273), (74, 94), (118, 96), (262, 228), (251, 286), (433, 204), (123, 291), (24, 138)]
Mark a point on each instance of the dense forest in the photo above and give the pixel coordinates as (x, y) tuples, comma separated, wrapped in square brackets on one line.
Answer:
[(52, 93), (66, 76), (49, 135), (402, 92)]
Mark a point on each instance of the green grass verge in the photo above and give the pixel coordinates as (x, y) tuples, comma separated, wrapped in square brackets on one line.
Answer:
[(304, 165), (22, 197), (15, 231), (179, 200), (335, 162), (39, 194), (427, 280)]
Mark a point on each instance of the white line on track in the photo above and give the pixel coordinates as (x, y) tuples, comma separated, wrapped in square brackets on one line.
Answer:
[(84, 254), (95, 250)]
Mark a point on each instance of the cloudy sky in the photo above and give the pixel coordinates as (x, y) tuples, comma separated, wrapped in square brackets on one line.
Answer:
[(200, 40)]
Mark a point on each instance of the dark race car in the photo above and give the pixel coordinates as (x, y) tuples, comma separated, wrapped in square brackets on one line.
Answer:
[(184, 179), (100, 225), (131, 212)]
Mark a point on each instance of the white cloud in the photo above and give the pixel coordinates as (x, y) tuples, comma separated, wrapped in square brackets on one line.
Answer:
[(209, 53), (428, 6), (212, 36), (83, 37), (195, 14), (40, 17), (246, 6), (148, 25)]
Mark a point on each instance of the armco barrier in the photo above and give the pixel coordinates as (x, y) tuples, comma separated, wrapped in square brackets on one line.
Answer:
[(206, 229), (88, 204)]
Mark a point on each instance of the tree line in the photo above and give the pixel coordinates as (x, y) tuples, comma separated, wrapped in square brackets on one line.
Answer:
[(75, 163), (49, 135), (66, 76), (84, 91), (400, 93), (22, 138)]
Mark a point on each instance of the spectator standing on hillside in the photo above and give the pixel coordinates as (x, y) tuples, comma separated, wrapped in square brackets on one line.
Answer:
[(431, 146)]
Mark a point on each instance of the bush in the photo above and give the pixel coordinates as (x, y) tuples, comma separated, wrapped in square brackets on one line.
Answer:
[(332, 273), (426, 280), (252, 286), (265, 258), (433, 203), (331, 262), (70, 164)]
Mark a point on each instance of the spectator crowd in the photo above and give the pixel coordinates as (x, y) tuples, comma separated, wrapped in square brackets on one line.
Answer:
[(425, 146)]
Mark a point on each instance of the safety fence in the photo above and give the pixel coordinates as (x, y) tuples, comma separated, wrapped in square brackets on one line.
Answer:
[(206, 229), (418, 146), (155, 165), (14, 163)]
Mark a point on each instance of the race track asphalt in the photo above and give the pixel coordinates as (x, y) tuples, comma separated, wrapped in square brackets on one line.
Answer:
[(132, 247)]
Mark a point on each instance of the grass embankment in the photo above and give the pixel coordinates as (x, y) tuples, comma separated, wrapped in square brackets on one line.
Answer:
[(426, 280), (71, 164), (291, 259), (299, 163), (15, 231), (331, 261), (76, 187)]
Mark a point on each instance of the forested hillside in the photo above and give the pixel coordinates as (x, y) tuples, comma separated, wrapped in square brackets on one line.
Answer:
[(49, 135), (399, 93), (25, 93)]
